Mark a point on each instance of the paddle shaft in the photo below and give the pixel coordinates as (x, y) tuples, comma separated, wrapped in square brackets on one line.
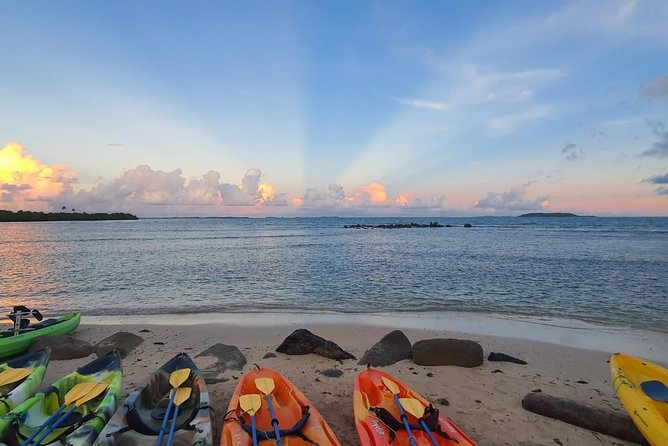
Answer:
[(55, 425), (172, 428), (161, 434), (253, 430), (44, 425), (429, 434), (404, 418), (274, 421)]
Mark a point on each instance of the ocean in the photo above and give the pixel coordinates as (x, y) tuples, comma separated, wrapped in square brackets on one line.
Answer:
[(610, 271)]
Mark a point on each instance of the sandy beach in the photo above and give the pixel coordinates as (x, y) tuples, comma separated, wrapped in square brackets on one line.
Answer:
[(484, 401)]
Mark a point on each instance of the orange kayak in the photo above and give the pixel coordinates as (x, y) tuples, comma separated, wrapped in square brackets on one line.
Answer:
[(379, 422), (299, 423)]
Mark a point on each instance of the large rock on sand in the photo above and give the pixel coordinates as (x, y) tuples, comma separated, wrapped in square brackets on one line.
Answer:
[(605, 421), (459, 352), (123, 342), (62, 347), (393, 348), (226, 357), (303, 342)]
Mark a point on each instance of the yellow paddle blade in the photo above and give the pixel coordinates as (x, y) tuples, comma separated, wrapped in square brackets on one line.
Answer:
[(394, 388), (412, 406), (250, 403), (11, 375), (95, 391), (264, 385), (79, 391), (182, 395), (178, 377)]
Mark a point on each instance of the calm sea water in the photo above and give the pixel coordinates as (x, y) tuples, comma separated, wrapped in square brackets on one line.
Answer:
[(606, 270)]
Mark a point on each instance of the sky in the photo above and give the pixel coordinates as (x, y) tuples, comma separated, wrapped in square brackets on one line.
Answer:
[(298, 108)]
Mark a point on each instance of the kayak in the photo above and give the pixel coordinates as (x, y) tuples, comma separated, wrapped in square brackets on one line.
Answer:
[(379, 423), (83, 425), (642, 388), (12, 344), (299, 423), (137, 422), (21, 377)]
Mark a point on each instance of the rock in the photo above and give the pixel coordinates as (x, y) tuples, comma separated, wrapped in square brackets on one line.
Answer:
[(468, 225), (506, 358), (144, 331), (302, 342), (332, 373), (393, 348), (269, 355), (62, 347), (497, 371), (123, 342), (606, 421), (227, 356), (459, 352), (443, 401), (582, 381)]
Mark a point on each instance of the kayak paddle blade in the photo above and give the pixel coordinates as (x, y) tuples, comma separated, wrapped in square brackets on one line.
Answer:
[(264, 385), (412, 406), (78, 391), (391, 385), (182, 395), (94, 392), (12, 375), (250, 403), (178, 377)]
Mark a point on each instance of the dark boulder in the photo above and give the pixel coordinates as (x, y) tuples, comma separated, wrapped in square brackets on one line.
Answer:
[(459, 352), (303, 342), (605, 421), (393, 348), (123, 342), (505, 358), (62, 347)]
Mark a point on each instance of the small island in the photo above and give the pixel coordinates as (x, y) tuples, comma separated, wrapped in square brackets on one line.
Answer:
[(549, 214), (22, 216), (433, 224)]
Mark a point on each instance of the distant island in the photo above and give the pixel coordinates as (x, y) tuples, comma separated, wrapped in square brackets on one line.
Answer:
[(549, 214), (9, 216)]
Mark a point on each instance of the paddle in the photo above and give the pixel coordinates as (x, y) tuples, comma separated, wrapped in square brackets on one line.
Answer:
[(251, 404), (266, 385), (85, 393), (12, 375), (392, 386), (182, 394), (177, 378), (415, 408)]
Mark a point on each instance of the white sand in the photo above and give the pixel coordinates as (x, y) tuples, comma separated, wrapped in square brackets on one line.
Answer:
[(486, 405)]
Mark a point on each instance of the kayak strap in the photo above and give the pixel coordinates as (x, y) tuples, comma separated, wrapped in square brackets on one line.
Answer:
[(430, 418), (294, 430)]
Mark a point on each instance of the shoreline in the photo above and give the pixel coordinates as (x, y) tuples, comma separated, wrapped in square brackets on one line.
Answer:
[(647, 344)]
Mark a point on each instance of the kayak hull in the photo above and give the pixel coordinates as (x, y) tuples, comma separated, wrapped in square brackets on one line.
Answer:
[(88, 419), (628, 375), (13, 345), (370, 393), (288, 402), (18, 392), (138, 420)]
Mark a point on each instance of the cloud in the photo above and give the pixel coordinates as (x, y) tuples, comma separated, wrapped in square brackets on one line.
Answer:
[(513, 200), (656, 88), (418, 103), (659, 180), (334, 197), (572, 152), (660, 148), (509, 123), (27, 183), (373, 194), (409, 201)]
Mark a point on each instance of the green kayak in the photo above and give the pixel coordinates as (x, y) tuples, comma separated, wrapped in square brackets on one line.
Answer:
[(13, 344), (21, 377), (78, 427)]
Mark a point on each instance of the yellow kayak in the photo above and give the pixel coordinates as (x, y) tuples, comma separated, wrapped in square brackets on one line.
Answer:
[(642, 388)]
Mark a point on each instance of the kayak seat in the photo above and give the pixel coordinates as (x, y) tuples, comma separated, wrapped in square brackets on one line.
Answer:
[(656, 390), (44, 324)]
